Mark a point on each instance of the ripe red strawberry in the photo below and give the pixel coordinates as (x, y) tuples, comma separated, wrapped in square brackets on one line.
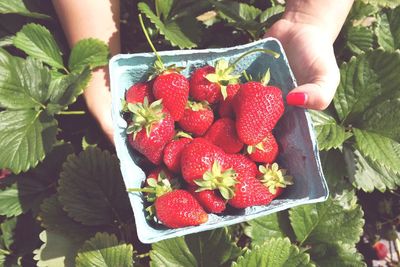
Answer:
[(209, 200), (225, 108), (197, 118), (223, 134), (266, 151), (137, 92), (179, 209), (258, 109), (159, 173), (150, 130), (209, 83), (173, 152), (381, 250), (274, 179), (233, 175), (4, 173), (173, 89), (158, 182)]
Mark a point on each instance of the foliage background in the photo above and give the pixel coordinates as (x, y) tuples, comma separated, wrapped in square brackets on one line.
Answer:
[(65, 203)]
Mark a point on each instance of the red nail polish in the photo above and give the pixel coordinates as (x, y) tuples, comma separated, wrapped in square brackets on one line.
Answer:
[(296, 99)]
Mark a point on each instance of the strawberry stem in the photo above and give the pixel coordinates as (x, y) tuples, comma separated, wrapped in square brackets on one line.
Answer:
[(266, 51), (149, 40), (143, 190)]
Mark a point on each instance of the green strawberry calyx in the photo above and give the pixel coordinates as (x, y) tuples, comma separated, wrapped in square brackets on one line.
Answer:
[(215, 178), (197, 106), (273, 177), (252, 149), (144, 116), (223, 76), (182, 134)]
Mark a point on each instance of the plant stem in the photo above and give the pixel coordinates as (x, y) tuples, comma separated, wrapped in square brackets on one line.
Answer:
[(144, 255), (266, 51), (148, 39), (77, 112), (144, 190)]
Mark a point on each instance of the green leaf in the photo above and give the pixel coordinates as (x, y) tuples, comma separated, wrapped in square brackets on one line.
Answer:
[(7, 228), (383, 3), (182, 33), (369, 175), (329, 133), (65, 89), (273, 225), (25, 138), (91, 188), (388, 31), (361, 10), (88, 52), (336, 255), (212, 248), (6, 41), (359, 39), (36, 41), (27, 191), (270, 12), (275, 252), (105, 250), (18, 7), (327, 222), (57, 250), (163, 8), (379, 148), (382, 119), (54, 218), (365, 81)]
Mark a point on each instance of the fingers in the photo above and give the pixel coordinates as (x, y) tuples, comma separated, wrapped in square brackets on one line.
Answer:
[(317, 94)]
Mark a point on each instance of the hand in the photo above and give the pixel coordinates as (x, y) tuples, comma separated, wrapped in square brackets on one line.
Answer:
[(310, 52), (98, 100)]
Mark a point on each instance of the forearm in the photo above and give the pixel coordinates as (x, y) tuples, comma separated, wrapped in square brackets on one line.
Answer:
[(82, 19), (327, 14)]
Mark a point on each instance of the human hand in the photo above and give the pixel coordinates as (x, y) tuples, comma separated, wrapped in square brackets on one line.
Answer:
[(310, 53)]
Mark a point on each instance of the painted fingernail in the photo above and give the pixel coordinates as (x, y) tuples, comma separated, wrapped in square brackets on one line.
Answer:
[(296, 99)]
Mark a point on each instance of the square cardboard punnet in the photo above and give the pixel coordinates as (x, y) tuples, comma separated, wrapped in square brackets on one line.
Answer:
[(294, 132)]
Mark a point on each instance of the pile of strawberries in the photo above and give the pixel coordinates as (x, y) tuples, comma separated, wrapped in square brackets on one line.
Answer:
[(209, 140)]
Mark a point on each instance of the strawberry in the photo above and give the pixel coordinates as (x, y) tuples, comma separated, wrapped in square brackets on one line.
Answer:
[(179, 209), (381, 250), (266, 151), (223, 134), (274, 179), (158, 182), (258, 109), (150, 130), (233, 175), (209, 83), (209, 200), (197, 118), (173, 88), (225, 108), (137, 92), (4, 173), (173, 152)]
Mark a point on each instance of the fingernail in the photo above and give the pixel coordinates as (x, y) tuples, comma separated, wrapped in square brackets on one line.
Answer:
[(296, 99)]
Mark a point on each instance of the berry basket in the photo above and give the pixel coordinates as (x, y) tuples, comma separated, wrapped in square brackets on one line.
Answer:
[(294, 132)]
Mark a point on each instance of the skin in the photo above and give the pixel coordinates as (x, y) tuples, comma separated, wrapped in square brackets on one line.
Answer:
[(307, 31)]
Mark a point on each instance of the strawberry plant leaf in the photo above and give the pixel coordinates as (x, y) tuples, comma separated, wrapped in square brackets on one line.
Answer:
[(336, 255), (329, 133), (359, 39), (369, 175), (163, 8), (91, 189), (54, 218), (379, 148), (383, 3), (56, 250), (388, 31), (18, 7), (212, 248), (26, 191), (104, 250), (274, 252), (65, 89), (26, 137), (273, 225), (7, 228), (88, 52), (327, 222), (6, 41), (173, 29), (270, 12), (36, 41)]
